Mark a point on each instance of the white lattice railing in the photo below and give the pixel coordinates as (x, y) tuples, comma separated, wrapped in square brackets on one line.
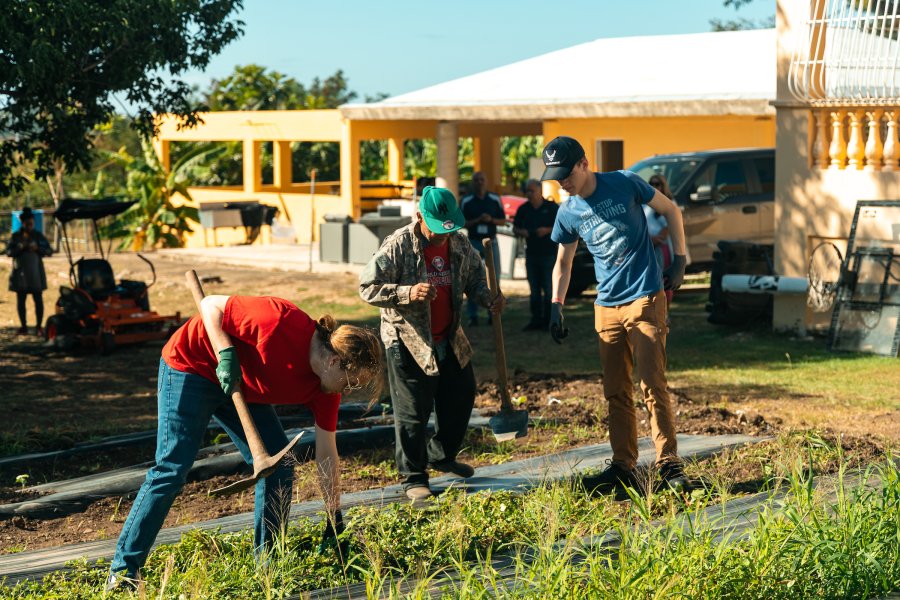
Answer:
[(848, 53)]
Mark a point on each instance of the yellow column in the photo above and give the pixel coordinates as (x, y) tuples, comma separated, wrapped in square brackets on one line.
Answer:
[(281, 163), (350, 190), (161, 147), (252, 167), (448, 155), (487, 160), (395, 160)]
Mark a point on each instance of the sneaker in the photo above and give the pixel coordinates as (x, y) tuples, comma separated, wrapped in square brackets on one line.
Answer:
[(453, 466), (120, 581), (418, 492), (614, 476), (672, 475)]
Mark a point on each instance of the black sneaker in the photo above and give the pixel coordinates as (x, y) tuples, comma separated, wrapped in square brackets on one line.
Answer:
[(614, 476), (454, 466), (672, 475)]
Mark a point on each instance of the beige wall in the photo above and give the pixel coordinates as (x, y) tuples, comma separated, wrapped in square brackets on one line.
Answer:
[(645, 137), (809, 201)]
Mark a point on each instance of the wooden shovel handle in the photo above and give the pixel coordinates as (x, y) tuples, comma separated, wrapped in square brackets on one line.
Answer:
[(494, 285), (257, 448)]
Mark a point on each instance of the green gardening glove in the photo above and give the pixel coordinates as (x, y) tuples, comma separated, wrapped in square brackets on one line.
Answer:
[(229, 370)]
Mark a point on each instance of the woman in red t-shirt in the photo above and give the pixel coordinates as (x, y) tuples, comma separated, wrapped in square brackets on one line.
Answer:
[(278, 355)]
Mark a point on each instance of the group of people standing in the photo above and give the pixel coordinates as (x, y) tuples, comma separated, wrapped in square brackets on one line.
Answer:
[(275, 353)]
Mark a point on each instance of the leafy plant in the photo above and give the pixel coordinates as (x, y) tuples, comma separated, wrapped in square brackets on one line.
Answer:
[(157, 221)]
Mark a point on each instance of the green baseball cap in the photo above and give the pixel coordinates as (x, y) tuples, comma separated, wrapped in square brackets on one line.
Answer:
[(440, 210)]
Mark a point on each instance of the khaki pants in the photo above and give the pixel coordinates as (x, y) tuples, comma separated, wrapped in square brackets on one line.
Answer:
[(638, 329)]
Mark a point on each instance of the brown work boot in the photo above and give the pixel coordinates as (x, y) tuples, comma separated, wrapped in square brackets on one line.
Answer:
[(418, 493), (454, 466)]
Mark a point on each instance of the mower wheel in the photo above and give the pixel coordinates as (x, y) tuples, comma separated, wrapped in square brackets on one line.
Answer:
[(107, 343)]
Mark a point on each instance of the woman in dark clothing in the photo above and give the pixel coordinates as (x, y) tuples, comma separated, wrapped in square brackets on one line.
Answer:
[(27, 247)]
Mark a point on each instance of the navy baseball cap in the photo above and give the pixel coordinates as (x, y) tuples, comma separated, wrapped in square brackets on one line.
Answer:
[(560, 157)]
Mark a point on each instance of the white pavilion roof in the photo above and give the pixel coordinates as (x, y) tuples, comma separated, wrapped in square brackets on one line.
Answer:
[(687, 74)]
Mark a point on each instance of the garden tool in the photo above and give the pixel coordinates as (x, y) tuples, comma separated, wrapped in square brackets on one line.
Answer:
[(509, 423), (264, 464)]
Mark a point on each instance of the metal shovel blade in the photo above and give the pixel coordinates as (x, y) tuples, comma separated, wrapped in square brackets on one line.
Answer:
[(509, 424), (261, 470)]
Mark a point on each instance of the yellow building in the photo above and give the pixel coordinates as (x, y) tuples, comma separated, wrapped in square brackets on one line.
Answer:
[(624, 99), (838, 102)]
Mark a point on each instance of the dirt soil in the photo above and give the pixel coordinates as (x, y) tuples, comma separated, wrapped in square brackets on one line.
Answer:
[(53, 400)]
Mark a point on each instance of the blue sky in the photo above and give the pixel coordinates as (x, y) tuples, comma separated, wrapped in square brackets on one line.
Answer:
[(396, 46)]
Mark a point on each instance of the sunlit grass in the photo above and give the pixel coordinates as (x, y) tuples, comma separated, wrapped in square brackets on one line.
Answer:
[(811, 537)]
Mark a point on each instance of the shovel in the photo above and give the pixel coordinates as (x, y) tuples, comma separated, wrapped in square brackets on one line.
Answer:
[(509, 423), (264, 464)]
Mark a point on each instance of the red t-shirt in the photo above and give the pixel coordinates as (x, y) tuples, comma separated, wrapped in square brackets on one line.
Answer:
[(437, 265), (272, 338)]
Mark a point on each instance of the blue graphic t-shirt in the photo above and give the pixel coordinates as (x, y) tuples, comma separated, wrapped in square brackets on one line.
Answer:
[(611, 222)]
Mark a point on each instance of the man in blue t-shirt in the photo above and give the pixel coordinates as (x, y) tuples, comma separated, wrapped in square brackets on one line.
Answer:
[(483, 211), (605, 210)]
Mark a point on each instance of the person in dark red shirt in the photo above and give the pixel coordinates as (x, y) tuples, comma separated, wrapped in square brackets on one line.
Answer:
[(277, 354)]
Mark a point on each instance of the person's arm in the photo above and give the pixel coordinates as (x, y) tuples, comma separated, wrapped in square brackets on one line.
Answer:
[(674, 274), (378, 281), (519, 223), (328, 468), (44, 248), (499, 216), (668, 209), (14, 247), (212, 311), (562, 270)]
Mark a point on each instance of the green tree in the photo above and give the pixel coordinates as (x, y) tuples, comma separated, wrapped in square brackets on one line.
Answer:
[(62, 63), (253, 87), (155, 221)]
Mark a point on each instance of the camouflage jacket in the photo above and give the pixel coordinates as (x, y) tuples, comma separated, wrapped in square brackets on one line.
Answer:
[(400, 264)]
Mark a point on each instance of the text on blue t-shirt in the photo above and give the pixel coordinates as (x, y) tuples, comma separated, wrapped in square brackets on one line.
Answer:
[(612, 224)]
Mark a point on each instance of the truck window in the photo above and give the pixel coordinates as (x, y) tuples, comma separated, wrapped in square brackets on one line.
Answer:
[(730, 180), (765, 171)]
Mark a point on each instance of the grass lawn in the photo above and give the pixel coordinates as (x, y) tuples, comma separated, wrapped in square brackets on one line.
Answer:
[(830, 412)]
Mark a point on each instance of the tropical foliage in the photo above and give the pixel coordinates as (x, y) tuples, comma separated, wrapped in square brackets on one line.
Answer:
[(155, 220)]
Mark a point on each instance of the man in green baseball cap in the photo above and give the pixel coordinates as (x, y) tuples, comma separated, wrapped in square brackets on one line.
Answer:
[(418, 278)]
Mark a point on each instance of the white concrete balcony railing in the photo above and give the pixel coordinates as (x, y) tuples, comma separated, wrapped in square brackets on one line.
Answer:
[(855, 138)]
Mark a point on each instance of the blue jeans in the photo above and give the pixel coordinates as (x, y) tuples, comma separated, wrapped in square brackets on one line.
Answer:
[(471, 304), (540, 279), (186, 403)]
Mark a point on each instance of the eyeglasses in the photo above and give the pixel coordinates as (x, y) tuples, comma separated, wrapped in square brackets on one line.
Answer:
[(350, 387)]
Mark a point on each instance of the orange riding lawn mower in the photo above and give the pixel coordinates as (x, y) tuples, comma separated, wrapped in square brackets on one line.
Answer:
[(96, 312)]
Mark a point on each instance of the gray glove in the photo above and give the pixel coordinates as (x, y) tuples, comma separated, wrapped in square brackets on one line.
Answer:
[(674, 275), (558, 330)]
